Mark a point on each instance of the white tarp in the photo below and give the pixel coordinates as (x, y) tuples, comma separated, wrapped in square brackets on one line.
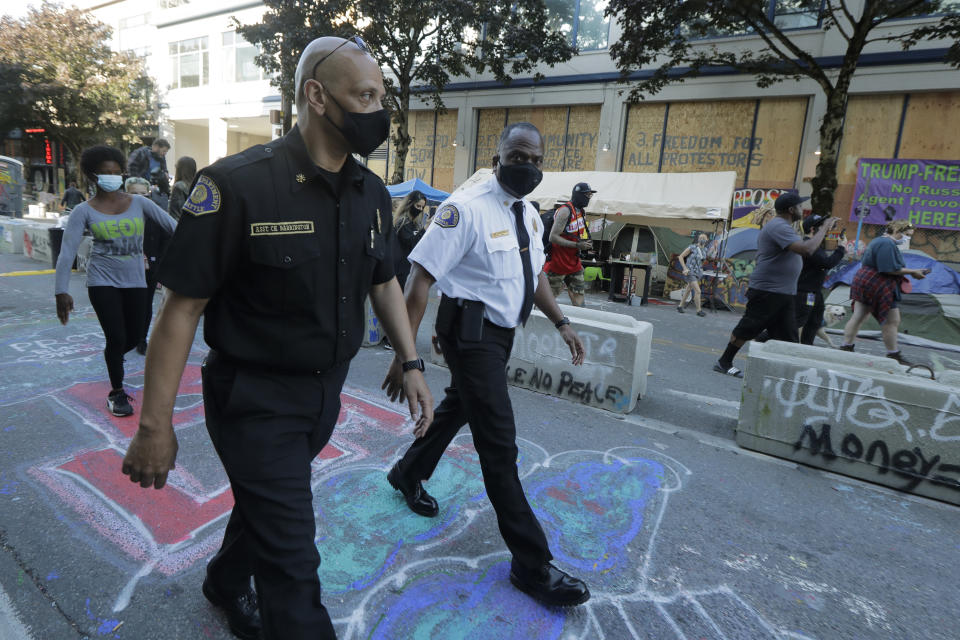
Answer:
[(639, 198)]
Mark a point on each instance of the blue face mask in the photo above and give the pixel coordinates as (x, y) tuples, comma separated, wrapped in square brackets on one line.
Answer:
[(903, 240), (109, 182)]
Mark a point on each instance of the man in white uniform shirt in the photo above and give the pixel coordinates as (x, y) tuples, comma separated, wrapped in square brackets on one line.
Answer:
[(485, 252)]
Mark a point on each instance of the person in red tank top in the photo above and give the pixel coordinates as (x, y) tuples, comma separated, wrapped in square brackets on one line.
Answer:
[(569, 236)]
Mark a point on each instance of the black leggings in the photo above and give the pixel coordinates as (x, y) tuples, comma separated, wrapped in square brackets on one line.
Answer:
[(149, 292), (121, 313)]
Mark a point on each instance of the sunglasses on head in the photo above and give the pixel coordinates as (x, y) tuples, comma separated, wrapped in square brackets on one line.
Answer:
[(357, 40)]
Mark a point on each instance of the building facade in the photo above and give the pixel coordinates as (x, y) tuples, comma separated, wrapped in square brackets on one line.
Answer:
[(902, 105)]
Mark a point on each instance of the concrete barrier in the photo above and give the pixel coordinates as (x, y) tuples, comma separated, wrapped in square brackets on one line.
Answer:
[(36, 242), (859, 415), (83, 254), (373, 333), (614, 371), (11, 235)]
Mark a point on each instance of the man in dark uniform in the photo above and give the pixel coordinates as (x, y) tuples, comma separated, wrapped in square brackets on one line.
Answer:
[(485, 252), (282, 244)]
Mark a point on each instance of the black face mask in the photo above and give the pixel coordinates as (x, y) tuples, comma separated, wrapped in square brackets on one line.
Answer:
[(519, 179), (580, 200), (364, 132)]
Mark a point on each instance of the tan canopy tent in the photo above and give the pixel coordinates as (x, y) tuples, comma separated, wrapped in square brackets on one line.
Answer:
[(680, 201)]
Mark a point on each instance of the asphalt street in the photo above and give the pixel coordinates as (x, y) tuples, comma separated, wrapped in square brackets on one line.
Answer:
[(678, 532)]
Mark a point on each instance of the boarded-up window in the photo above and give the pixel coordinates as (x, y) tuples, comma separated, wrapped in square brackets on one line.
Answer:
[(870, 131), (777, 142), (931, 128), (644, 138), (709, 136), (759, 139), (570, 134), (489, 125)]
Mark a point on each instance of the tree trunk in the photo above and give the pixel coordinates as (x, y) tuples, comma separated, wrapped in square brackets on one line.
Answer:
[(401, 139), (286, 118), (831, 133), (75, 151), (831, 129), (287, 95)]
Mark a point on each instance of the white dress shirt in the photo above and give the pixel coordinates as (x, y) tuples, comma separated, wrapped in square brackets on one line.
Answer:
[(471, 249)]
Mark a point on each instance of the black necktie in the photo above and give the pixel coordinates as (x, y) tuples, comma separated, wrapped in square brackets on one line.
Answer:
[(524, 239)]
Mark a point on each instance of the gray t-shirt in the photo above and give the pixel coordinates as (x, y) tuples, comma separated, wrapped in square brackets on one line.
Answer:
[(777, 267), (116, 258)]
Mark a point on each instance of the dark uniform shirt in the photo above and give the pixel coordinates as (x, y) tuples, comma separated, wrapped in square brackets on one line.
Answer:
[(286, 260)]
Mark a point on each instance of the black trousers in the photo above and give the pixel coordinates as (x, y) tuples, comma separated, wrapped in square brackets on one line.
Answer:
[(809, 317), (120, 312), (267, 427), (774, 312), (478, 395), (152, 273)]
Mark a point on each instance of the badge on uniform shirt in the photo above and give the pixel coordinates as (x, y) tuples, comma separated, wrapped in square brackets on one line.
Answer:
[(447, 217), (500, 234), (204, 199)]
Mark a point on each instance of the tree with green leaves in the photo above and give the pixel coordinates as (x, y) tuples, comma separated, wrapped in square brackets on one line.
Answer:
[(422, 44), (674, 40), (57, 71)]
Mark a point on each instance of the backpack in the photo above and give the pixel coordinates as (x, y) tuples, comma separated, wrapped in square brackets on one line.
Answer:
[(546, 219)]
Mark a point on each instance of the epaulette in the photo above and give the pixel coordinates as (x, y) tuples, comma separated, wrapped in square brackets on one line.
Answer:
[(254, 154)]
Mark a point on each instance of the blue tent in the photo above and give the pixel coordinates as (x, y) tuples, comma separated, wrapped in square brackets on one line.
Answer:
[(942, 279), (434, 196)]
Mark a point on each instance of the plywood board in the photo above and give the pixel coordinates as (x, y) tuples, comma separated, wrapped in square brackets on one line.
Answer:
[(931, 129), (522, 114), (870, 131), (644, 137), (777, 141), (444, 152), (583, 138), (553, 125), (420, 154), (709, 136), (489, 126), (379, 167)]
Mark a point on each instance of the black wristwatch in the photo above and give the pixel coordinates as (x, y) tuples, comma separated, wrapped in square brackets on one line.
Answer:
[(562, 321), (410, 365)]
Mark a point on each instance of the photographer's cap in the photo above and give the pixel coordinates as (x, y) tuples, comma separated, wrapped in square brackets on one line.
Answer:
[(787, 200)]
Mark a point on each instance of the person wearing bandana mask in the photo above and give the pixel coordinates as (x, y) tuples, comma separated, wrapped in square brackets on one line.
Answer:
[(280, 246), (568, 237), (484, 250)]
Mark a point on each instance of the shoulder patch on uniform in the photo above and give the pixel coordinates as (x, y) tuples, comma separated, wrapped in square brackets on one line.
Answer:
[(204, 199), (447, 217)]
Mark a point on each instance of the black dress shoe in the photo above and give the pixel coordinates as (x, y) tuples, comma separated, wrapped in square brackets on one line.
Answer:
[(549, 585), (419, 501), (243, 615)]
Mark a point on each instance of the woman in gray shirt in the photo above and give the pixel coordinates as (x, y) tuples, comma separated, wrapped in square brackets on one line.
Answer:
[(116, 282)]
